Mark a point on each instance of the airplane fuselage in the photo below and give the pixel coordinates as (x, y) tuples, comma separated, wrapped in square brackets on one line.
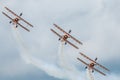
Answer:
[(91, 65), (65, 37), (15, 21)]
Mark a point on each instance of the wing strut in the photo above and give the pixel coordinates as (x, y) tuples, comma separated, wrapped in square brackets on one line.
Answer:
[(67, 34), (18, 16)]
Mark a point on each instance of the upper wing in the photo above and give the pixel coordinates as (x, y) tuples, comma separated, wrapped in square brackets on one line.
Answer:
[(65, 40), (7, 16), (93, 67), (18, 16), (94, 61), (99, 71), (67, 33)]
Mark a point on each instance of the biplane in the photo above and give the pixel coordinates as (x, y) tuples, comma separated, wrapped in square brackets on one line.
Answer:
[(92, 64), (63, 38), (16, 20)]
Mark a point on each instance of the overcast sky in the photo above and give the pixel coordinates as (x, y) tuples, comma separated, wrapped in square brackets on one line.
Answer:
[(96, 23)]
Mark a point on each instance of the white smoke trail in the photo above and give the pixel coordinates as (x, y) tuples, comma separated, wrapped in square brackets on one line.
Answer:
[(89, 74), (71, 72), (62, 59), (61, 54), (50, 69), (23, 48)]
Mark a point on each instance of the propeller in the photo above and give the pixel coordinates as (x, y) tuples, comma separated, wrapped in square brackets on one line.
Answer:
[(20, 14)]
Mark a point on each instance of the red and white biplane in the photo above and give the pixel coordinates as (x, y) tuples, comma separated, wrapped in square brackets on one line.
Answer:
[(16, 20), (63, 38), (92, 64)]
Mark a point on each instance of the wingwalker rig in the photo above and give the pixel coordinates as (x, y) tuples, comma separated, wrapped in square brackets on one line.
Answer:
[(65, 36), (16, 20), (91, 66)]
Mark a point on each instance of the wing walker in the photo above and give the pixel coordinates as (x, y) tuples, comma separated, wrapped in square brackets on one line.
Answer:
[(64, 38), (16, 20), (92, 64)]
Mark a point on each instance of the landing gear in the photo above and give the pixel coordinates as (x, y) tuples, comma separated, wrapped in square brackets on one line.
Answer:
[(10, 22), (20, 14), (16, 26)]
